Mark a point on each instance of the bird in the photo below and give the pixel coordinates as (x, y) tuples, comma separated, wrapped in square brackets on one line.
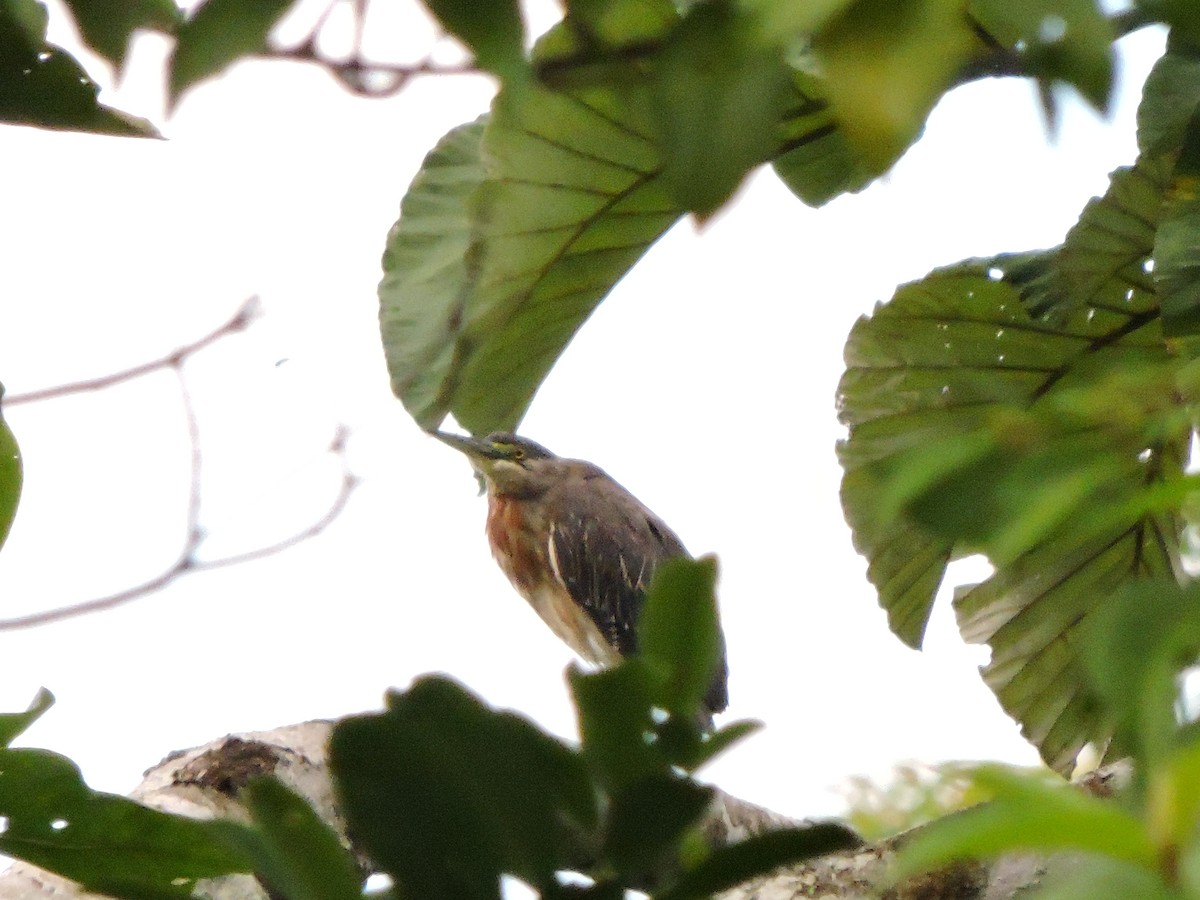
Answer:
[(578, 546)]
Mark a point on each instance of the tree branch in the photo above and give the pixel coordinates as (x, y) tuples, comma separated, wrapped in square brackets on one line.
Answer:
[(187, 560)]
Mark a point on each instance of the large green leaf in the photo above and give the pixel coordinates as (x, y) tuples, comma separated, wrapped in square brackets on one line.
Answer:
[(107, 25), (446, 795), (10, 476), (950, 389), (514, 231), (424, 290), (570, 199), (109, 844), (44, 86)]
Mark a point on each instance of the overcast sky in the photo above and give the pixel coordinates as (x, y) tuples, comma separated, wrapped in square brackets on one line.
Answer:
[(705, 384)]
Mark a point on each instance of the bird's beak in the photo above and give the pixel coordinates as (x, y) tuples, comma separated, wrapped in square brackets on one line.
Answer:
[(475, 449)]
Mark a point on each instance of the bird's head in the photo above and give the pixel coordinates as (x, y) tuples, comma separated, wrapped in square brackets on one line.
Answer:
[(505, 463)]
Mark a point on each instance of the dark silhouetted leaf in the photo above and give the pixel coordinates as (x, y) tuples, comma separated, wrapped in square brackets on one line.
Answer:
[(107, 25), (109, 844), (294, 852), (493, 31), (679, 638), (13, 724), (729, 866), (446, 794), (44, 86), (616, 725), (217, 34), (647, 820)]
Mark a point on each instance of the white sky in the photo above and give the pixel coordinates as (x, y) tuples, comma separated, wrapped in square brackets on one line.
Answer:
[(705, 384)]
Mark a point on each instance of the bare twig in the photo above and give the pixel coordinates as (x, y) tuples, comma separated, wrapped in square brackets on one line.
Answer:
[(187, 560), (238, 322), (366, 78)]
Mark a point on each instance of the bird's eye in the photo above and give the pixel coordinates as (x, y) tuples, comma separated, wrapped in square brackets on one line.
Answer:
[(518, 453)]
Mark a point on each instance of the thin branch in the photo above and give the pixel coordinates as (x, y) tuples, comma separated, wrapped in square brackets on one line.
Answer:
[(187, 561), (348, 484), (367, 79), (238, 322)]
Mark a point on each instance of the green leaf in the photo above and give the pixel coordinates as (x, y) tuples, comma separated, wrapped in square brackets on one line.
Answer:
[(647, 820), (717, 742), (107, 25), (621, 24), (44, 86), (718, 96), (1027, 814), (1176, 265), (493, 31), (294, 852), (1067, 40), (931, 380), (570, 200), (615, 724), (217, 34), (886, 64), (1104, 262), (1169, 99), (109, 844), (734, 864), (555, 202), (445, 794), (423, 293), (1137, 645), (679, 638), (13, 724), (815, 160), (11, 476), (1100, 878)]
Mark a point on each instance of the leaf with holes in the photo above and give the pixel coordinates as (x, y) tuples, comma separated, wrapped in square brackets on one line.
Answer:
[(936, 381), (109, 844)]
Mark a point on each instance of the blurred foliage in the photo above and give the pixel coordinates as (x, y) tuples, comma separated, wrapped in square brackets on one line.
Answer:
[(1144, 843), (446, 795)]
